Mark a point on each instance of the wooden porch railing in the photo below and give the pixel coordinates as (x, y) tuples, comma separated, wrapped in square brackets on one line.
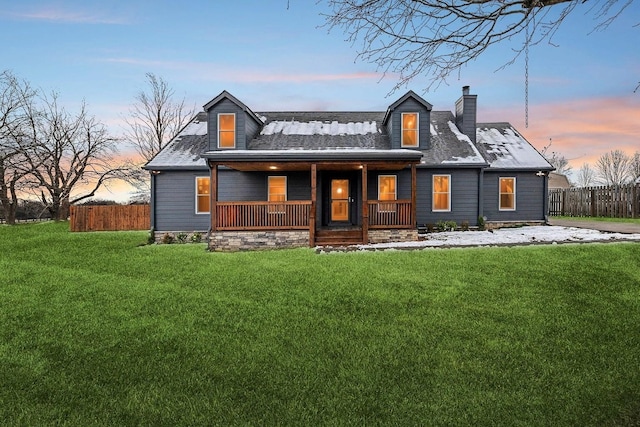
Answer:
[(263, 215), (390, 214)]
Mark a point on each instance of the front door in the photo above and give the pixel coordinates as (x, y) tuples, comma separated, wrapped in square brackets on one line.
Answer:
[(340, 201)]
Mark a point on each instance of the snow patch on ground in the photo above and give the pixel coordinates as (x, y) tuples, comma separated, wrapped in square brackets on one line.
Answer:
[(505, 237)]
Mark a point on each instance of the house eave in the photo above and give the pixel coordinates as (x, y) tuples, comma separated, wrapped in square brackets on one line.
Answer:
[(336, 155)]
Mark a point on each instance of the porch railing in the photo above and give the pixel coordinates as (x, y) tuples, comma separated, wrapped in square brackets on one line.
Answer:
[(263, 215), (390, 214)]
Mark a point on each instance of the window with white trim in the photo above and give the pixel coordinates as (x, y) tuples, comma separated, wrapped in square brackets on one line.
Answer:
[(507, 194), (277, 192), (226, 130), (203, 197), (409, 130), (441, 193), (387, 191)]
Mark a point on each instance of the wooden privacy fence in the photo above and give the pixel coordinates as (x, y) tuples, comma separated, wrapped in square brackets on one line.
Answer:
[(110, 218), (615, 201)]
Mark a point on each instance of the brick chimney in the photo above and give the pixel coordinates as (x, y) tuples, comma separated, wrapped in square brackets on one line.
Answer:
[(466, 107)]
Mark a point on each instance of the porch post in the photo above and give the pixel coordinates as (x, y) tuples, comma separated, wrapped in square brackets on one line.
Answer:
[(312, 213), (365, 206), (414, 180), (213, 195)]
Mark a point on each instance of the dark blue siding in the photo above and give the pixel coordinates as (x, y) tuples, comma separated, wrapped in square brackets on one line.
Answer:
[(403, 183), (464, 196), (395, 124), (227, 106), (530, 197), (235, 186), (175, 202)]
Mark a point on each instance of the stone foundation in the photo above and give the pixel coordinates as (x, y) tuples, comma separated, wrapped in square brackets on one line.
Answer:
[(229, 241), (393, 235)]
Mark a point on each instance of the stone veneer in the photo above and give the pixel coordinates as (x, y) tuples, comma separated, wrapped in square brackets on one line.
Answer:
[(228, 241), (392, 235)]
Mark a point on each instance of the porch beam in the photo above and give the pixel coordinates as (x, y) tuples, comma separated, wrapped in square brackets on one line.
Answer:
[(414, 181), (213, 195), (365, 205), (312, 213)]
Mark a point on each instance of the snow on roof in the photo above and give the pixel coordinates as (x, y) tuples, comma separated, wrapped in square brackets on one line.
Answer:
[(316, 127), (183, 151), (473, 158), (504, 148)]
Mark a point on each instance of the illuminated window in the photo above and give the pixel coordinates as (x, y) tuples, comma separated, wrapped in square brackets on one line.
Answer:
[(409, 129), (507, 194), (277, 192), (277, 188), (442, 193), (226, 130), (202, 195), (387, 190)]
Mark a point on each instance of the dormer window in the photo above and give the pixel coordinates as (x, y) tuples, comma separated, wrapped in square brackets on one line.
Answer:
[(227, 130), (409, 129)]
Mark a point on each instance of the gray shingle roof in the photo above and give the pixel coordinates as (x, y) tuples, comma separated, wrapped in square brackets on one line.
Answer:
[(499, 146), (321, 131)]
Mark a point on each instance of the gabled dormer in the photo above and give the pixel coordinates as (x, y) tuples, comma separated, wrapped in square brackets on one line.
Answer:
[(231, 124), (408, 122)]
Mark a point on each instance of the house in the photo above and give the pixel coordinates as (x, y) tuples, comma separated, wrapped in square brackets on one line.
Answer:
[(289, 179), (558, 181)]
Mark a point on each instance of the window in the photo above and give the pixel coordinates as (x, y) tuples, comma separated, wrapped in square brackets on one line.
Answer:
[(202, 195), (507, 194), (277, 192), (226, 130), (387, 190), (409, 129), (442, 193)]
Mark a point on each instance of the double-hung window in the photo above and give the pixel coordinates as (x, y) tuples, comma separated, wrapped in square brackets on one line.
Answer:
[(226, 130), (277, 192), (507, 194), (202, 195), (387, 191), (409, 130), (441, 193)]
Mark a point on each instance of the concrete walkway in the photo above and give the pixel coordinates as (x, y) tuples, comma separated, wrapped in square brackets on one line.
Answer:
[(611, 227)]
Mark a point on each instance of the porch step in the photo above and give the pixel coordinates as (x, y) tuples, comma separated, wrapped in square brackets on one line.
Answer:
[(338, 237)]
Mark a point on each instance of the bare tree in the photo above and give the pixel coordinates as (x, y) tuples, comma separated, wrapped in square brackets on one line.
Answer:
[(635, 166), (70, 150), (435, 38), (614, 168), (16, 98), (586, 176), (556, 160), (155, 117)]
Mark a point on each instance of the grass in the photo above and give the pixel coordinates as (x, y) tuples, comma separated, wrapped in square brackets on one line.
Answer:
[(97, 329), (600, 218)]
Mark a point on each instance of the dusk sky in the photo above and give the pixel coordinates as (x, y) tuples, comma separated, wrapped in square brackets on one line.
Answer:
[(273, 57)]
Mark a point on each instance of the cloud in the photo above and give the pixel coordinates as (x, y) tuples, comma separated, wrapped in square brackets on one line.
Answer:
[(580, 129), (56, 15), (214, 72)]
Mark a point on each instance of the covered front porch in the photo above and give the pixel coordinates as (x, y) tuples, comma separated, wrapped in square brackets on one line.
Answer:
[(339, 210)]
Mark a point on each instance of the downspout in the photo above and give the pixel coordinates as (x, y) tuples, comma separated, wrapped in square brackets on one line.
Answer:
[(546, 198), (480, 194), (153, 200)]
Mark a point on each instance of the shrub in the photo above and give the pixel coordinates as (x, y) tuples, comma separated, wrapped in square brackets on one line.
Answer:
[(182, 237), (430, 228), (196, 237), (151, 238), (481, 224), (167, 238), (464, 225)]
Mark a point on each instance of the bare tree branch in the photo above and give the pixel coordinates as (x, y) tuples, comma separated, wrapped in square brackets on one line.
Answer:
[(434, 38), (155, 117)]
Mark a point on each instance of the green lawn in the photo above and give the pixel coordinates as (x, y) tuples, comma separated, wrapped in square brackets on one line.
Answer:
[(599, 218), (98, 329)]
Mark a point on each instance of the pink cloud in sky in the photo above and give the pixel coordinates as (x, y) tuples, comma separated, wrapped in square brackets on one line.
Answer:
[(582, 130)]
